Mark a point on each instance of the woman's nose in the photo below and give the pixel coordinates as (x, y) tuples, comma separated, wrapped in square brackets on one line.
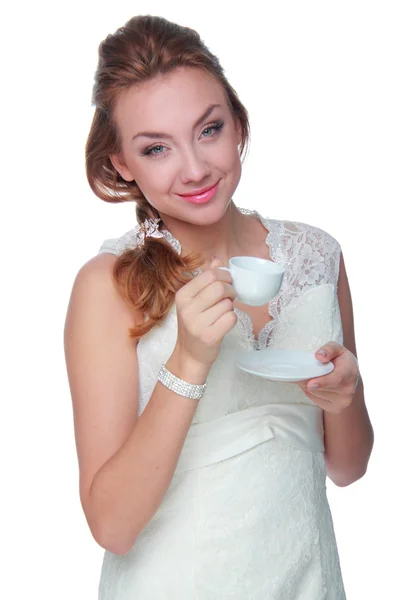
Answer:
[(194, 167)]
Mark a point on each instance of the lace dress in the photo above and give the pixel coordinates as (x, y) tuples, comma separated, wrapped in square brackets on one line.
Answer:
[(246, 515)]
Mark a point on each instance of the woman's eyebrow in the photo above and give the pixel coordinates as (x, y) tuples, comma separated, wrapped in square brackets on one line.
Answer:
[(154, 134)]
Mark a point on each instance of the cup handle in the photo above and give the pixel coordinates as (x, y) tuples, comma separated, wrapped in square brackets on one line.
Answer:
[(225, 269)]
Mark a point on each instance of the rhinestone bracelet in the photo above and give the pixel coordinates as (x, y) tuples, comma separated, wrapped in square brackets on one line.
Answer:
[(181, 387)]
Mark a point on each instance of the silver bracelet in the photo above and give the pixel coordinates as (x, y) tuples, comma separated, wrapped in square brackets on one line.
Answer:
[(181, 387)]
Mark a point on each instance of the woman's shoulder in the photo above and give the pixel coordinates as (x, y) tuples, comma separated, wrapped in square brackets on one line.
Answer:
[(299, 234), (118, 245), (312, 252)]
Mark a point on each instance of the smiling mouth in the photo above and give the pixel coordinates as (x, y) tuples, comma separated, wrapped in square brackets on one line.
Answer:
[(201, 198), (200, 192)]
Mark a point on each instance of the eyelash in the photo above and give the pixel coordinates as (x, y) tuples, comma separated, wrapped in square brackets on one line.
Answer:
[(218, 126)]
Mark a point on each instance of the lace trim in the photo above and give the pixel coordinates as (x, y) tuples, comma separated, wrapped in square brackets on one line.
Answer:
[(130, 240), (244, 318), (310, 257), (172, 240)]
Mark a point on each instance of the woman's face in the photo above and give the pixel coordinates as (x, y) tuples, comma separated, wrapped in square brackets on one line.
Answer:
[(192, 146)]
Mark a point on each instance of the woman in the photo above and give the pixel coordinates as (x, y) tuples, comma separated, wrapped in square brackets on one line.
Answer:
[(200, 480)]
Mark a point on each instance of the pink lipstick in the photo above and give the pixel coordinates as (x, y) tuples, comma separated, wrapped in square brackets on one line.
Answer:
[(200, 197)]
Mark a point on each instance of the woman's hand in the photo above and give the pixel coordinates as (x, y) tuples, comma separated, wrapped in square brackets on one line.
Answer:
[(333, 392), (205, 314)]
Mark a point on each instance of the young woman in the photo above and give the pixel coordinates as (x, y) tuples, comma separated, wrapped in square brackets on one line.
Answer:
[(202, 481)]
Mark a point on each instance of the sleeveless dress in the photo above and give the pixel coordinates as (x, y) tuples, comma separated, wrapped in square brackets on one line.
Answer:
[(246, 516)]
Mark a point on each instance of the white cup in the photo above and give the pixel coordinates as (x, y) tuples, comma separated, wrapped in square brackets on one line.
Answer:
[(256, 280)]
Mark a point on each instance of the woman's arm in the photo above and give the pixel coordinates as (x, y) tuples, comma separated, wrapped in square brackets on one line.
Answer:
[(126, 463), (349, 436)]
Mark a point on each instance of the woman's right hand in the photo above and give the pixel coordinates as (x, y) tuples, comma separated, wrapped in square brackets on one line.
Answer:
[(205, 314)]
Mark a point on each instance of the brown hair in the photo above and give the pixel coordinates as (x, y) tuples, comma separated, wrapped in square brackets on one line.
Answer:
[(147, 277)]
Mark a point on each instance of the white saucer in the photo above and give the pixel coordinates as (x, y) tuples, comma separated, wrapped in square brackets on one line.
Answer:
[(283, 365)]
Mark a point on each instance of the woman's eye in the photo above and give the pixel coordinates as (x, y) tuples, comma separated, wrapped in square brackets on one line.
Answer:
[(216, 127), (153, 151), (158, 149), (208, 129)]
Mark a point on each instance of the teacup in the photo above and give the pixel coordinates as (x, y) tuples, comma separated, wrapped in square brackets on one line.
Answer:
[(256, 280)]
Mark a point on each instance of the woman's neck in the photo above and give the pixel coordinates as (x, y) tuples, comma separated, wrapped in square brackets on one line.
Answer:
[(236, 234)]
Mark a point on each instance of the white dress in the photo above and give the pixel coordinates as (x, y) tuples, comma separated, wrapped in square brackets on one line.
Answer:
[(246, 515)]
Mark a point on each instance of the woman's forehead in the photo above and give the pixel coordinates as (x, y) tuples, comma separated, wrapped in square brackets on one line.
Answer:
[(178, 97)]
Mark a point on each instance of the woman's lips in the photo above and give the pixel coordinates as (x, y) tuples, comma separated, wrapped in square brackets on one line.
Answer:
[(201, 198)]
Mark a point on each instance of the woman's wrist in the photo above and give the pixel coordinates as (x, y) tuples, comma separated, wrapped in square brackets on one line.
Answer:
[(185, 367)]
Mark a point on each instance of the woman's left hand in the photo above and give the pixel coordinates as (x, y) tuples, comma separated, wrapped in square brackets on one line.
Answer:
[(333, 392)]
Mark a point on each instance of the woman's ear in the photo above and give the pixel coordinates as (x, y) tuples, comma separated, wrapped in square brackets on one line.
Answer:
[(239, 133), (120, 166)]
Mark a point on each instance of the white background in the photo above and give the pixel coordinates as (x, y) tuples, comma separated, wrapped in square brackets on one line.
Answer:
[(321, 83)]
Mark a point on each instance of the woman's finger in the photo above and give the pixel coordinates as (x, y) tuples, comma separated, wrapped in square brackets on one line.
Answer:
[(204, 279), (212, 294)]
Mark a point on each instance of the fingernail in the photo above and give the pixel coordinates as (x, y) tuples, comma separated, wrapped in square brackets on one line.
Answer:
[(322, 352), (313, 386)]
